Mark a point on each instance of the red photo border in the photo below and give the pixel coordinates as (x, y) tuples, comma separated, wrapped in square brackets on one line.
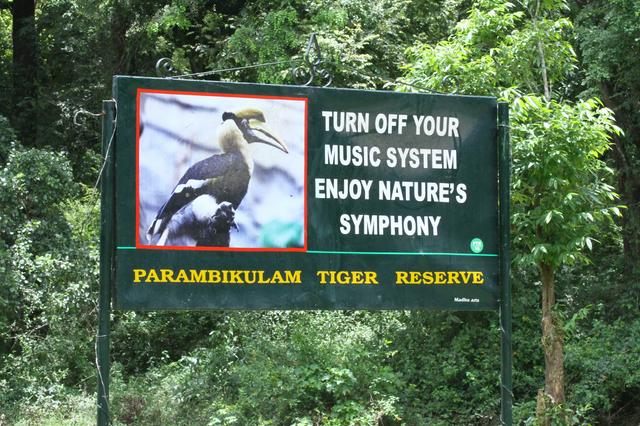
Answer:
[(139, 245)]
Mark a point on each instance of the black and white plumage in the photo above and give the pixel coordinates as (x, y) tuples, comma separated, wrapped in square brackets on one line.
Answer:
[(202, 205), (203, 220)]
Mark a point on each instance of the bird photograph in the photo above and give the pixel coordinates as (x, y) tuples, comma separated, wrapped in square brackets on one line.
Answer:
[(221, 171)]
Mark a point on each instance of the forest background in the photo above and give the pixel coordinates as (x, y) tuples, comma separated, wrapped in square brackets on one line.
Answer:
[(568, 68)]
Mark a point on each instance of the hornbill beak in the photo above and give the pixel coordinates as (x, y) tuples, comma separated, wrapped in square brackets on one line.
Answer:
[(258, 131), (251, 123)]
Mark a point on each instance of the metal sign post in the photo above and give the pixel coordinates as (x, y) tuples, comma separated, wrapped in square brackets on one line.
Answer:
[(505, 286), (106, 262)]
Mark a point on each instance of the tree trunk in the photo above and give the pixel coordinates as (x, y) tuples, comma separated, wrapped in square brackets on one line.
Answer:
[(552, 343), (546, 84), (121, 19), (24, 69)]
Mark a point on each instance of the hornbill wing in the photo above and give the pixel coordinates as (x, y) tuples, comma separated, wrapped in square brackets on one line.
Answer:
[(191, 184)]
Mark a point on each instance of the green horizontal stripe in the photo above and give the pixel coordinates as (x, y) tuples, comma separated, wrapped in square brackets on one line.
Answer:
[(393, 253), (403, 253)]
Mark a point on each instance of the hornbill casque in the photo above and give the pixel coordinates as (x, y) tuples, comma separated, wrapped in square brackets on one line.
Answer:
[(203, 203)]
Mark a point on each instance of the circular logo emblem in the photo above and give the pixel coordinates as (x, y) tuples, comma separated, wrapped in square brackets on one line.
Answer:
[(476, 245)]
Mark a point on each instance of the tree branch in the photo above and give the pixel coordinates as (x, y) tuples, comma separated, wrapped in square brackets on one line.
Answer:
[(545, 79), (543, 63)]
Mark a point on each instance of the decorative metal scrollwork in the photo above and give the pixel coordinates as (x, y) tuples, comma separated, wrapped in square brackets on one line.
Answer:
[(164, 67), (451, 84), (311, 71), (313, 66)]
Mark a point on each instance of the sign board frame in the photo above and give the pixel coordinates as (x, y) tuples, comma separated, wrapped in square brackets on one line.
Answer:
[(110, 248), (441, 185)]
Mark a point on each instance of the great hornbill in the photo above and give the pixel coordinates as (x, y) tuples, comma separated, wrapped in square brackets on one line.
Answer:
[(203, 203)]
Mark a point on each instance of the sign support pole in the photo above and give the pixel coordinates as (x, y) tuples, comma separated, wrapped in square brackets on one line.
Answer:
[(506, 382), (106, 258)]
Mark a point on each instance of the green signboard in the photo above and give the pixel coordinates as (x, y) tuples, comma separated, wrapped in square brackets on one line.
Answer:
[(245, 196)]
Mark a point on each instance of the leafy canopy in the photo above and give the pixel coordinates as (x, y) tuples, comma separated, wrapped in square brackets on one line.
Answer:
[(524, 56), (559, 194)]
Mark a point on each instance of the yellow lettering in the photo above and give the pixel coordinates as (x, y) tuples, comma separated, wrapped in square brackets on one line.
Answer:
[(357, 277), (347, 277), (153, 276), (197, 276), (323, 276), (277, 278), (234, 278), (166, 275), (251, 274), (343, 277), (138, 274), (454, 278), (214, 276), (182, 276), (293, 277), (401, 277), (466, 276)]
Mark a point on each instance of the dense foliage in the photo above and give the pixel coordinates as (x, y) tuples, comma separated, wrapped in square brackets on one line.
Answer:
[(568, 69)]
